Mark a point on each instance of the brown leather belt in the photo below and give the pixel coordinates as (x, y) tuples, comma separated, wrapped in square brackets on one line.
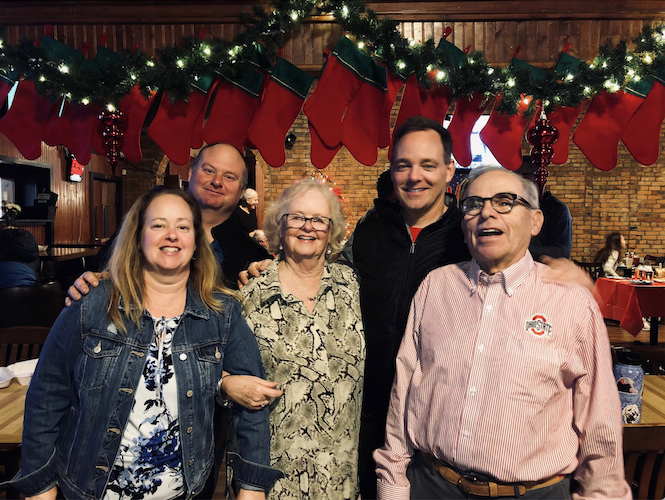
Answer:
[(473, 486)]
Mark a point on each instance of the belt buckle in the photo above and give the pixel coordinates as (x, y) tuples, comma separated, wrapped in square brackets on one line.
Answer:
[(463, 480)]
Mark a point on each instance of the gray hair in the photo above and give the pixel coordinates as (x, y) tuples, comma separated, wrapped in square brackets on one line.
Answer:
[(273, 218), (529, 188), (249, 193)]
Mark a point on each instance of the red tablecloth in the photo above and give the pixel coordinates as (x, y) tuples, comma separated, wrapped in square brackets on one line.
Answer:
[(627, 302)]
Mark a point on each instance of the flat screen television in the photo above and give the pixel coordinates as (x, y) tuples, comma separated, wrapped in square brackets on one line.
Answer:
[(27, 180)]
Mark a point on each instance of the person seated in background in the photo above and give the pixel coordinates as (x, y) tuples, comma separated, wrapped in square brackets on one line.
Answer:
[(246, 211), (260, 237), (610, 254), (556, 236), (19, 258), (104, 416)]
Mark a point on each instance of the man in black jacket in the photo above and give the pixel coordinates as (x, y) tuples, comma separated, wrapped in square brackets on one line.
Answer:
[(393, 249)]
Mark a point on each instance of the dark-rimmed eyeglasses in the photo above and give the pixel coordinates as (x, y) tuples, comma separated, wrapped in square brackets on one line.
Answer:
[(298, 221), (501, 202)]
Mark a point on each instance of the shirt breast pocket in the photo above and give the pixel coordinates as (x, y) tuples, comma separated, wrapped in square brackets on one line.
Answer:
[(531, 371), (100, 357)]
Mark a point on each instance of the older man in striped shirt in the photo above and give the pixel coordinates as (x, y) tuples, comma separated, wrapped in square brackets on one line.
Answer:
[(504, 382)]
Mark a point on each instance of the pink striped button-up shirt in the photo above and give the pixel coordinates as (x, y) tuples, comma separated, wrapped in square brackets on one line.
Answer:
[(508, 375)]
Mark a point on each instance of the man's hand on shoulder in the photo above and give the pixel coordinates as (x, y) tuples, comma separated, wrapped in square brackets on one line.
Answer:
[(565, 271), (253, 271), (81, 286)]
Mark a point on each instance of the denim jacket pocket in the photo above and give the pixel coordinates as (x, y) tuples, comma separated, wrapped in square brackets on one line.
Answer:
[(100, 355)]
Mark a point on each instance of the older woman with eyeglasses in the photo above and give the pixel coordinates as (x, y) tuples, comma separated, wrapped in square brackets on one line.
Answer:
[(305, 313)]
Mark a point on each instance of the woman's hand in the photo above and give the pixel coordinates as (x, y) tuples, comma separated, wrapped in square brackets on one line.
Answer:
[(251, 495), (53, 493), (251, 392)]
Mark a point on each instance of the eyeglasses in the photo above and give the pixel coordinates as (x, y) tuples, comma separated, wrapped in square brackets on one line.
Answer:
[(298, 221), (501, 203)]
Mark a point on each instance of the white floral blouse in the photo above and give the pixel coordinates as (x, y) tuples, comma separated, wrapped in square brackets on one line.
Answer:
[(318, 359)]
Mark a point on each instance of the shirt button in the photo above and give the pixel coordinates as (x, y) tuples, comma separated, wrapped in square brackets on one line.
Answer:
[(465, 434), (472, 391), (481, 347), (190, 393), (218, 354), (191, 462), (183, 357), (189, 430), (489, 308)]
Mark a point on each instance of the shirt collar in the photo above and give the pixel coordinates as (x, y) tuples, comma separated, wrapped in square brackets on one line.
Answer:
[(511, 278)]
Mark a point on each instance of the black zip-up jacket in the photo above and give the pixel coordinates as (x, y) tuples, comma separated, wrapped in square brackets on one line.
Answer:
[(391, 267)]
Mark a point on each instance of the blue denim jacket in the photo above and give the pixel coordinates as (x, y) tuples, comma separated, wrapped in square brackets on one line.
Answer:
[(81, 394)]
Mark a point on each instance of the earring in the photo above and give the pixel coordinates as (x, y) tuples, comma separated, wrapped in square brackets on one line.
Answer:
[(281, 247), (194, 255)]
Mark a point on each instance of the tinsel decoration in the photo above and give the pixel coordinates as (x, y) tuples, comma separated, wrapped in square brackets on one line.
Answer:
[(541, 136), (112, 119)]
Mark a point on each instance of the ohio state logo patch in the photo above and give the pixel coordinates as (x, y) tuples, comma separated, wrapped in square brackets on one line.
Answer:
[(538, 326)]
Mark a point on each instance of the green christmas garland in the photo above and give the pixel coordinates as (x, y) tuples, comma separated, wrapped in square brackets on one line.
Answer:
[(59, 70)]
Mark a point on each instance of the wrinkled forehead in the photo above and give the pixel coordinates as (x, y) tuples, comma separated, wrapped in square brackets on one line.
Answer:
[(493, 182)]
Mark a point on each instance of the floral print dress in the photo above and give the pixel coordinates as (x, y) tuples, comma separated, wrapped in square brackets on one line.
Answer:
[(318, 360), (149, 461)]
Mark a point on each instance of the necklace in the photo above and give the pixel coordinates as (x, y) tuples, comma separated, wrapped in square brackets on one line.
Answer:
[(295, 280)]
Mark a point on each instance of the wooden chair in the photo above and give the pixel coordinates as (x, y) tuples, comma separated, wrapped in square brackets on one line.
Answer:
[(593, 269), (644, 463), (18, 343), (37, 305)]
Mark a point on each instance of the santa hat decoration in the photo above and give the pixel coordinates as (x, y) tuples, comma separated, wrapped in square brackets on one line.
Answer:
[(503, 132), (280, 105), (642, 133), (604, 122)]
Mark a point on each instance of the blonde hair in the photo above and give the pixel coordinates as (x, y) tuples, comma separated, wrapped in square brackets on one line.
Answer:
[(127, 263), (272, 222)]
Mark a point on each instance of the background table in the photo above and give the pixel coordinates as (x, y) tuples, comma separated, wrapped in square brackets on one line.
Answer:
[(628, 303), (12, 402)]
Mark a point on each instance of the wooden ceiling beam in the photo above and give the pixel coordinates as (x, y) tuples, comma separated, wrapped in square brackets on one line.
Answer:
[(31, 12)]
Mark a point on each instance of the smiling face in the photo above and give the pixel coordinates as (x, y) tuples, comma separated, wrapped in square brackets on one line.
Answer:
[(168, 239), (420, 176), (216, 181), (306, 243), (496, 240)]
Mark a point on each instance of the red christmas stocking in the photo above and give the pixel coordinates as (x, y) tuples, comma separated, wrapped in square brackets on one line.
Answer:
[(206, 84), (642, 134), (6, 85), (77, 124), (24, 122), (320, 154), (233, 109), (466, 114), (408, 107), (605, 119), (134, 107), (394, 83), (172, 127), (360, 127), (342, 78), (51, 131), (563, 119), (282, 101), (503, 135)]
